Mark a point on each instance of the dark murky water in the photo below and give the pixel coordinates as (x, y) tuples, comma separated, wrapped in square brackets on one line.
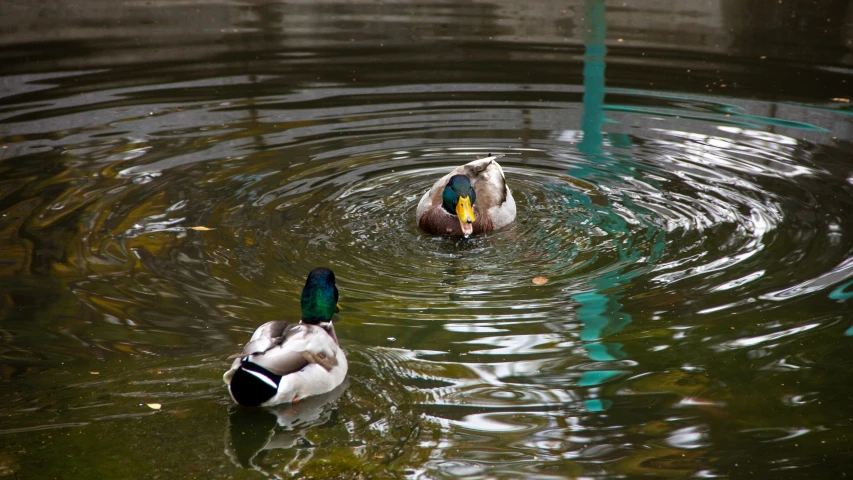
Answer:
[(684, 179)]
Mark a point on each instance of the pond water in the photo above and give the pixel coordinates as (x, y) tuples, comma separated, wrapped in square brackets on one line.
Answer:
[(171, 171)]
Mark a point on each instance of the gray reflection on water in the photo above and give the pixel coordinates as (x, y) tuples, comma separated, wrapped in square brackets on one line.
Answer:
[(689, 437), (838, 274)]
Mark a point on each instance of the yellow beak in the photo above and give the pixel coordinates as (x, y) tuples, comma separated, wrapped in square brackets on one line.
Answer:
[(465, 212)]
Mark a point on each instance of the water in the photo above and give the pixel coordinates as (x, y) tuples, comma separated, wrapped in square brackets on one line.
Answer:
[(683, 177)]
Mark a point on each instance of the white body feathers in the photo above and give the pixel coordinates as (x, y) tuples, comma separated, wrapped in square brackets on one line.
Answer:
[(306, 357)]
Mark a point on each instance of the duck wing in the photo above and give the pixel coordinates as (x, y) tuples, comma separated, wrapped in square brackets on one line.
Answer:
[(284, 348), (487, 179), (267, 336)]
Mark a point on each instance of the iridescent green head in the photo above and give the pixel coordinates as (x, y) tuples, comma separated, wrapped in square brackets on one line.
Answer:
[(458, 199), (319, 297)]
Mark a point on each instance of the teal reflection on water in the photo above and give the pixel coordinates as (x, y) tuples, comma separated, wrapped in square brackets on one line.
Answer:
[(597, 405), (842, 293), (598, 377), (603, 352), (599, 309), (594, 65), (597, 312)]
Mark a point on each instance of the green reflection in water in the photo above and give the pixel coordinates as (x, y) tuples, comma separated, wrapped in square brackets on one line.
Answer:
[(842, 292), (595, 310), (599, 308)]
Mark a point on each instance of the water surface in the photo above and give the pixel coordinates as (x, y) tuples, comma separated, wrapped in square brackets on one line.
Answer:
[(170, 173)]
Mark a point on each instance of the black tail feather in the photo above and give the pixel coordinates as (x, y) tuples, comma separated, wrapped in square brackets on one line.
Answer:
[(249, 390)]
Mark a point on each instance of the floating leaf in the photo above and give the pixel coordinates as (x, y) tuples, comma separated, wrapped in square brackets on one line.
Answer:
[(540, 280), (95, 373), (154, 406), (202, 229)]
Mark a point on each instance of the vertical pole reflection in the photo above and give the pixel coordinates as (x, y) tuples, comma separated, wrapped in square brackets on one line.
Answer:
[(598, 313), (595, 31)]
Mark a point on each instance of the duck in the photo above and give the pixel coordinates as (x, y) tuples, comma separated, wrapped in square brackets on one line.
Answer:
[(472, 198), (285, 362)]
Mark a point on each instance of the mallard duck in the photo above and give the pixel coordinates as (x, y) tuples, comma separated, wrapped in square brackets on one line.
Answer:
[(286, 362), (473, 198)]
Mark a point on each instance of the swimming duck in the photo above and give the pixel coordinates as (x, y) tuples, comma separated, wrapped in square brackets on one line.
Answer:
[(286, 362), (473, 198)]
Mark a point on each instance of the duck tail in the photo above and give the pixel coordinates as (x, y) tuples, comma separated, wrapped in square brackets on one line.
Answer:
[(253, 384)]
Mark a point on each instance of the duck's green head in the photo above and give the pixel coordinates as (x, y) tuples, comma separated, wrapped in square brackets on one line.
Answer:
[(458, 199), (319, 297)]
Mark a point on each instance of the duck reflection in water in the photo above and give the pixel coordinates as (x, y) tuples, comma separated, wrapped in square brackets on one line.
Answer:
[(252, 432)]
